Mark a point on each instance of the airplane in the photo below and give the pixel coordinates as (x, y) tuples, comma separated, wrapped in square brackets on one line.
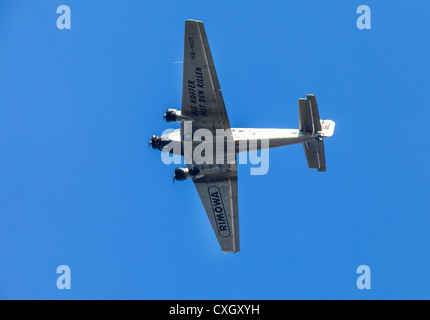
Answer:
[(203, 107)]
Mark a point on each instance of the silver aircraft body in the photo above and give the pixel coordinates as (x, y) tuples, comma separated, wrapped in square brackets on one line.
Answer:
[(203, 108)]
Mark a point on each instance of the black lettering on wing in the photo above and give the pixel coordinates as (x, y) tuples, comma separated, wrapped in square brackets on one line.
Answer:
[(219, 211)]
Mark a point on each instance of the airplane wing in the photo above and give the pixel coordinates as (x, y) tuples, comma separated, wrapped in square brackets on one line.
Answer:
[(218, 193), (202, 102), (201, 93)]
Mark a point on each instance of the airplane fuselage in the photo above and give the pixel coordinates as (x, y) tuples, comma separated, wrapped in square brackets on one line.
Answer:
[(249, 139)]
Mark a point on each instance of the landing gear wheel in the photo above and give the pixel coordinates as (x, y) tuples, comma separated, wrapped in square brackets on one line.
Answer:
[(193, 172)]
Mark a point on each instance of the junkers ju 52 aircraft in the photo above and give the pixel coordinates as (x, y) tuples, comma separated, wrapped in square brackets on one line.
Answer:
[(203, 107)]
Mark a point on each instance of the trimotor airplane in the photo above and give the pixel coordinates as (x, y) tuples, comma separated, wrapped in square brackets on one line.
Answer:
[(203, 107)]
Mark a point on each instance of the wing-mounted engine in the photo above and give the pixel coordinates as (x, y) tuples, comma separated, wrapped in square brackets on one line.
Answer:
[(174, 115), (182, 174)]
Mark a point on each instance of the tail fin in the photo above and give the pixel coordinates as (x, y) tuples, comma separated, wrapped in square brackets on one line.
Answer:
[(310, 122), (327, 128)]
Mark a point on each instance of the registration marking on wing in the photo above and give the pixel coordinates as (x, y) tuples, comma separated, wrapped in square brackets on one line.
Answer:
[(219, 211)]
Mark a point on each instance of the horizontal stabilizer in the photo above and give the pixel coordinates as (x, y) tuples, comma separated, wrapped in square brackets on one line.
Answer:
[(309, 117), (315, 155)]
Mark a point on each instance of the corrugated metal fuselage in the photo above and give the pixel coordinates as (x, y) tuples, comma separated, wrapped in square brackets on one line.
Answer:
[(247, 139)]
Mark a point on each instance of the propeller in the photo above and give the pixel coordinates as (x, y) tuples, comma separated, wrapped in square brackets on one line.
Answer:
[(154, 142)]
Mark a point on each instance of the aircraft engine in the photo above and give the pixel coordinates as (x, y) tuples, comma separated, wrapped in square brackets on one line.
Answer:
[(155, 142), (173, 115), (182, 174)]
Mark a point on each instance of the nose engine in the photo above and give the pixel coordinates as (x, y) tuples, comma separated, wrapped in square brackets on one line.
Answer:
[(155, 142)]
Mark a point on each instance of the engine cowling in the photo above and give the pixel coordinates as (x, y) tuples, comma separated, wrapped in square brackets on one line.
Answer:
[(155, 142), (174, 115), (182, 174)]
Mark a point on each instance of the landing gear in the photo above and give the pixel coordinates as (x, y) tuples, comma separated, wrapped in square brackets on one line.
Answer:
[(193, 172), (319, 138)]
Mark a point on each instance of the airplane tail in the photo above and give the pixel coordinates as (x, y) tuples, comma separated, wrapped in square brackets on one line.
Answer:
[(310, 122)]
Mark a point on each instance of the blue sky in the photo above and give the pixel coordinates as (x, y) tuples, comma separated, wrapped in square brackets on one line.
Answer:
[(79, 186)]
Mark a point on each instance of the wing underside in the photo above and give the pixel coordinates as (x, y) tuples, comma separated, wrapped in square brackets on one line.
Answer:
[(202, 100), (218, 194)]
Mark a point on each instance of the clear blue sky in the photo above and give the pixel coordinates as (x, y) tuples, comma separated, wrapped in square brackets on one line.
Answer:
[(79, 186)]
